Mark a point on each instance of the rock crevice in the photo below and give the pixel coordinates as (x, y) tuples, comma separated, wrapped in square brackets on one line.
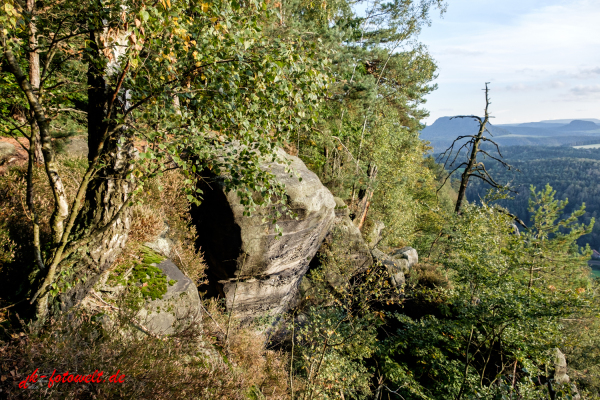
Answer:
[(250, 264)]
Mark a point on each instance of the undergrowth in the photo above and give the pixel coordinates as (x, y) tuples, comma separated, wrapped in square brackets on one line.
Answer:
[(217, 359), (182, 366)]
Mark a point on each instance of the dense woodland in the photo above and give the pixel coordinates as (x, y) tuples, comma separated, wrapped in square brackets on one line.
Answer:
[(170, 91), (573, 173)]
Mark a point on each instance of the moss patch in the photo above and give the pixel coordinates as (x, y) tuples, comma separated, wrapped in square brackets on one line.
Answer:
[(145, 277), (149, 256), (150, 280)]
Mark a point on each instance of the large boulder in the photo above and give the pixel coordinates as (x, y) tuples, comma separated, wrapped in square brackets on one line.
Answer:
[(178, 307), (397, 268), (407, 253), (249, 263), (7, 150), (170, 298)]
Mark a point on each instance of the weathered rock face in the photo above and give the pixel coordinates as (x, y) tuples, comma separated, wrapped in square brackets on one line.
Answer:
[(407, 253), (398, 262), (6, 151), (396, 267), (180, 305), (560, 372), (176, 307), (256, 270), (162, 244)]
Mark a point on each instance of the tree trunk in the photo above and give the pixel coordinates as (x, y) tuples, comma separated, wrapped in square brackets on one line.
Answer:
[(104, 220), (34, 79), (106, 217), (464, 181), (365, 197)]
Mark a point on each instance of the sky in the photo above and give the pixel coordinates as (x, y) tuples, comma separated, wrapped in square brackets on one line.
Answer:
[(542, 59)]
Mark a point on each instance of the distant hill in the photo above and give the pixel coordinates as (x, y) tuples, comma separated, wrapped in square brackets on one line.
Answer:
[(463, 126), (545, 125), (444, 130), (566, 121), (579, 125), (545, 133)]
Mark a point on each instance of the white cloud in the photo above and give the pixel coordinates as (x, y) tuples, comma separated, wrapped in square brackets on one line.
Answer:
[(535, 52), (588, 90), (519, 87), (536, 73), (587, 73), (522, 87)]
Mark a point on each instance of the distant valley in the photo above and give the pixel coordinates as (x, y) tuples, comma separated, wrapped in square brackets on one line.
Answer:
[(577, 132), (563, 153)]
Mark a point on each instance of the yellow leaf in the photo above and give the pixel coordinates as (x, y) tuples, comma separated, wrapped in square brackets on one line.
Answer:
[(214, 19), (204, 7), (169, 3)]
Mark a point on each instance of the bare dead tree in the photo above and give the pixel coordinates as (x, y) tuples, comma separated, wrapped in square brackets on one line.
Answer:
[(472, 147)]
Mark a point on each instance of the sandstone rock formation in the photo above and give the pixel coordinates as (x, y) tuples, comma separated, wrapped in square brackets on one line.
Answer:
[(397, 267), (407, 253), (560, 372), (6, 151), (398, 262), (162, 244), (255, 269), (179, 306), (169, 306)]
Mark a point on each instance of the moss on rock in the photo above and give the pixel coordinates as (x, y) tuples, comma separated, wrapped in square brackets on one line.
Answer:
[(145, 277)]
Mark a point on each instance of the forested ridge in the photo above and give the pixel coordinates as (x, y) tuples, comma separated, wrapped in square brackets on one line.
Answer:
[(229, 199), (573, 173)]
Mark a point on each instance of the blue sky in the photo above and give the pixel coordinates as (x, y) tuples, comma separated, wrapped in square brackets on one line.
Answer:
[(541, 57)]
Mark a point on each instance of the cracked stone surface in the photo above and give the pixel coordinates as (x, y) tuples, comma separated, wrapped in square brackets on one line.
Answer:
[(247, 259)]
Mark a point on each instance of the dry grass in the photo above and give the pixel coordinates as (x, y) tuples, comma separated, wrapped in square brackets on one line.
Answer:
[(155, 369), (430, 276), (265, 372), (176, 367), (163, 203)]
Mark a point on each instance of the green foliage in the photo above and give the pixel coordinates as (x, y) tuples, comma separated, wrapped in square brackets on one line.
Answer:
[(495, 320), (149, 256), (474, 322), (371, 118), (571, 172), (150, 280), (337, 330)]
